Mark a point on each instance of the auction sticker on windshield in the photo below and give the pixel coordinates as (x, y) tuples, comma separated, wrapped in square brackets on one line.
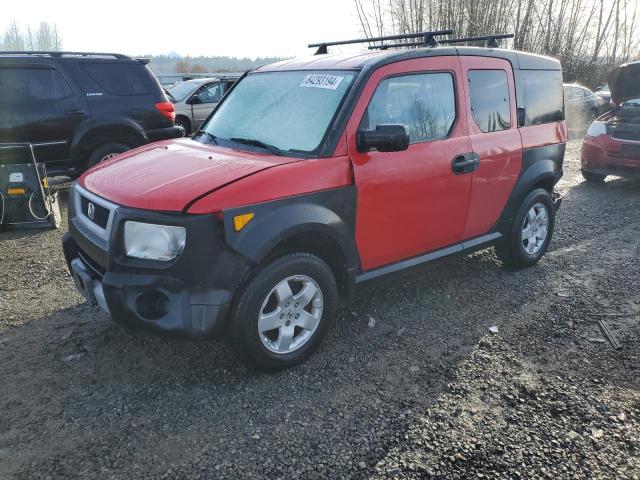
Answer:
[(330, 82)]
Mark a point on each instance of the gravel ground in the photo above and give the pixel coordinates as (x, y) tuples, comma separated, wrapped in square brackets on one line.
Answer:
[(410, 384)]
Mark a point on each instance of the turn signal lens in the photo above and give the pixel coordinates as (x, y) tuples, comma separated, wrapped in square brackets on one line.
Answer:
[(240, 221), (16, 191), (167, 110)]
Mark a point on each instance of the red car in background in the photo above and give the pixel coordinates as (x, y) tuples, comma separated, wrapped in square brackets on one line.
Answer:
[(612, 144)]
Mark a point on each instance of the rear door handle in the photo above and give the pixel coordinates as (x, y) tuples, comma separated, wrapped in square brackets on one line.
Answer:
[(75, 113), (465, 163)]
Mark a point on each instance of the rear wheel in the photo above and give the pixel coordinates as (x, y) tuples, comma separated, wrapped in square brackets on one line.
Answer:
[(185, 124), (593, 177), (285, 312), (106, 152), (530, 232)]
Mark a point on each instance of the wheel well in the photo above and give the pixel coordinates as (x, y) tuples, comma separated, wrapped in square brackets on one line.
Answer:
[(545, 183), (108, 134), (186, 119), (320, 245)]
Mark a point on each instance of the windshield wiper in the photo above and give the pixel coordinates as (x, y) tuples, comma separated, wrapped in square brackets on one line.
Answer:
[(213, 138), (258, 143)]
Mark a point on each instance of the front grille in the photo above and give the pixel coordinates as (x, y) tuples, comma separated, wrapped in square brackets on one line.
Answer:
[(94, 212)]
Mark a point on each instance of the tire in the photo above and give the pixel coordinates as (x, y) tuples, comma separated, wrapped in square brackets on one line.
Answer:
[(185, 124), (513, 252), (105, 152), (593, 177), (287, 344)]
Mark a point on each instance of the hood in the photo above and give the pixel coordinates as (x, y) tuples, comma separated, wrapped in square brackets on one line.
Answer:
[(169, 175), (624, 82)]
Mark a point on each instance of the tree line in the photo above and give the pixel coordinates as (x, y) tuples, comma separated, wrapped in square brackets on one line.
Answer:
[(45, 37), (588, 36)]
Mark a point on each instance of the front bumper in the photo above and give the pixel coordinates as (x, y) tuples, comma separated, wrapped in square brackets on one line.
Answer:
[(188, 297), (608, 156)]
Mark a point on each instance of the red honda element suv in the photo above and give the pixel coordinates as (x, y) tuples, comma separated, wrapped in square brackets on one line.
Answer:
[(316, 174)]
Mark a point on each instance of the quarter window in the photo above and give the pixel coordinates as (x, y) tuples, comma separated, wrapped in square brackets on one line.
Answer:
[(424, 103), (122, 78), (489, 92)]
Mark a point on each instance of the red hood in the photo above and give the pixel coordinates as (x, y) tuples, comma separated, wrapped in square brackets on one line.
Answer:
[(169, 175)]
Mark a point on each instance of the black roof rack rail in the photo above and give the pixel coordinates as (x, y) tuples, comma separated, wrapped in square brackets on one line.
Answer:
[(62, 54), (491, 41), (428, 40)]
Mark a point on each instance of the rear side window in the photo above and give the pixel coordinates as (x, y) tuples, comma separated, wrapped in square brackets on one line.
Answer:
[(489, 92), (543, 100), (122, 78), (424, 103), (32, 84)]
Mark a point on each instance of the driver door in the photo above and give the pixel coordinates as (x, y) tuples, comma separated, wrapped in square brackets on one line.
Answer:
[(204, 101), (411, 202)]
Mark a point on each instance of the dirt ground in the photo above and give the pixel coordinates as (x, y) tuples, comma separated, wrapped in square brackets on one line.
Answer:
[(411, 383)]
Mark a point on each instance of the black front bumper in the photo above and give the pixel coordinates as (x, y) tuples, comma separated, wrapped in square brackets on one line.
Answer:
[(189, 296)]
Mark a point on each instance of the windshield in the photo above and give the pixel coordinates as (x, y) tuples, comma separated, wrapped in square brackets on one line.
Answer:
[(181, 90), (290, 111)]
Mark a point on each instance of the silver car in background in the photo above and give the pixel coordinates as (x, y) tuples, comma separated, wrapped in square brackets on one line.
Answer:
[(194, 99)]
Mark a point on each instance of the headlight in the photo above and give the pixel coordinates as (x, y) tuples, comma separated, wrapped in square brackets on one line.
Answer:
[(597, 128), (154, 242)]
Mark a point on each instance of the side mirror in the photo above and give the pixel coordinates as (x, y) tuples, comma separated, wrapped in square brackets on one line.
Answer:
[(194, 100), (385, 138)]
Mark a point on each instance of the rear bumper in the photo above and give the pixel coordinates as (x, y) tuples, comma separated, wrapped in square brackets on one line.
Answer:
[(164, 134), (189, 297)]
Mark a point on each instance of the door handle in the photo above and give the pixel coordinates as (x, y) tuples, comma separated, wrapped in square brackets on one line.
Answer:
[(75, 113), (465, 163)]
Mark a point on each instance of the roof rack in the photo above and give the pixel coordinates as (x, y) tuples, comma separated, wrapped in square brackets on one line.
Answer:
[(491, 41), (64, 54), (428, 40)]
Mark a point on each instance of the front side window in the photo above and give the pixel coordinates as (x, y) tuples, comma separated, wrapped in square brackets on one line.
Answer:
[(290, 111), (32, 84), (489, 95), (423, 103), (210, 93)]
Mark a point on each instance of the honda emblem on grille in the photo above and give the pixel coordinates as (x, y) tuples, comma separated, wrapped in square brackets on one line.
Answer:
[(91, 211)]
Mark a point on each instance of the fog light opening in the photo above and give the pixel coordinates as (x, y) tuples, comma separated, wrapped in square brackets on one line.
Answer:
[(153, 305)]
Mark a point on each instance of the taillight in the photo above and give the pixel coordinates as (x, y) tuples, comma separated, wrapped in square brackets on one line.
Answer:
[(167, 110)]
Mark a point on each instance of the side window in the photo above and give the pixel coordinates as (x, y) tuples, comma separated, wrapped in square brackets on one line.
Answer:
[(542, 100), (424, 103), (489, 92), (122, 77), (210, 93), (32, 84)]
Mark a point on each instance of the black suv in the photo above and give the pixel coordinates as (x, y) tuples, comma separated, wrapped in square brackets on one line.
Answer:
[(81, 108)]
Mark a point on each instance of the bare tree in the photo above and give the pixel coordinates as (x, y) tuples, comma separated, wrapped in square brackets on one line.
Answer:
[(588, 36)]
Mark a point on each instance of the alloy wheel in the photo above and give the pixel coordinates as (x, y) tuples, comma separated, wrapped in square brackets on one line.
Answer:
[(290, 314), (535, 229)]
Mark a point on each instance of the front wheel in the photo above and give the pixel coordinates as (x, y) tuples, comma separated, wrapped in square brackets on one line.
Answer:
[(284, 312), (530, 232), (593, 177)]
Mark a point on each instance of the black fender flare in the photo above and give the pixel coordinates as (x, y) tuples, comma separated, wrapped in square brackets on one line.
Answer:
[(540, 166), (79, 140), (330, 212)]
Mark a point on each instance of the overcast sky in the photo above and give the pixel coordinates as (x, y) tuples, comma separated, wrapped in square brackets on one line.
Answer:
[(232, 27)]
